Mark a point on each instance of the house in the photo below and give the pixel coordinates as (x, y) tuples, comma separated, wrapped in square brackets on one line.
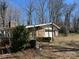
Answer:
[(11, 23), (5, 30), (44, 30)]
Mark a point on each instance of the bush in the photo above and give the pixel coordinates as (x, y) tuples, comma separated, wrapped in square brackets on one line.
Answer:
[(20, 38)]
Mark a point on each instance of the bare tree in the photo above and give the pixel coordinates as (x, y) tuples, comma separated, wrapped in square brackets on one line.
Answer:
[(3, 9), (29, 10), (75, 25), (17, 16), (9, 17), (55, 7), (12, 15), (41, 10), (68, 11)]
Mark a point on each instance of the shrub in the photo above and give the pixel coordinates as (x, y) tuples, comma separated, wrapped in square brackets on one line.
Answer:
[(20, 38)]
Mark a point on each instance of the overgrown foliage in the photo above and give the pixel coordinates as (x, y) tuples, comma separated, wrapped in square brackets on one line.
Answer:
[(20, 38)]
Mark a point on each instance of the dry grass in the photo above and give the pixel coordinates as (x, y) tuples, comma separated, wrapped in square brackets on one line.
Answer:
[(48, 52), (62, 43), (64, 40), (27, 54), (70, 37)]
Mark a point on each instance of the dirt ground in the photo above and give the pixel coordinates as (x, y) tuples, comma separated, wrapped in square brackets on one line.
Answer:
[(60, 52), (27, 54), (48, 51), (61, 48)]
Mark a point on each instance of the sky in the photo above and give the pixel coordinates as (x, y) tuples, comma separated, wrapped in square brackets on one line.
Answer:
[(20, 4)]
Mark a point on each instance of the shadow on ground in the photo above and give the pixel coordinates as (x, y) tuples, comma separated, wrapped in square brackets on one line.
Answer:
[(74, 46)]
